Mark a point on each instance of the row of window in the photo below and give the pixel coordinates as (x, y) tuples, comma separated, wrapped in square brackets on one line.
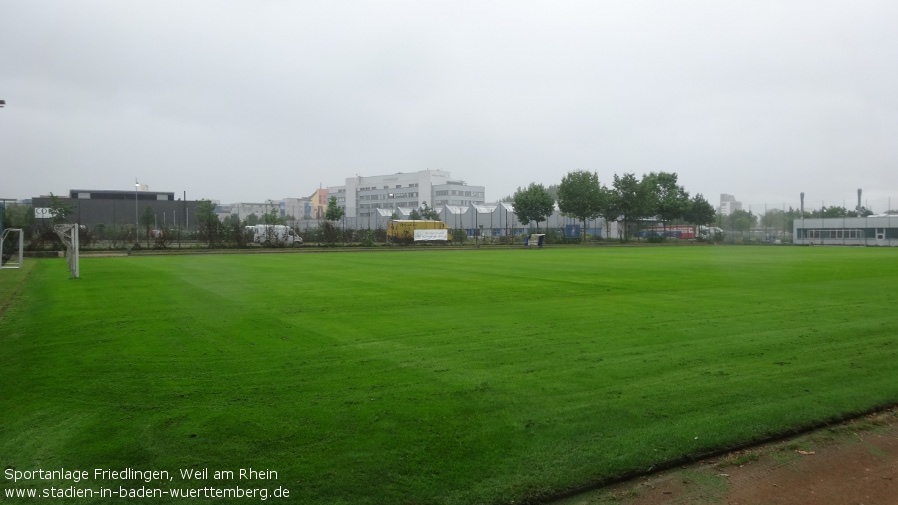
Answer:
[(445, 192), (456, 202), (856, 233), (394, 204), (391, 196), (387, 186), (835, 233)]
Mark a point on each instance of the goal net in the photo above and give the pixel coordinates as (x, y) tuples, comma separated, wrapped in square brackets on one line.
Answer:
[(68, 233), (13, 258)]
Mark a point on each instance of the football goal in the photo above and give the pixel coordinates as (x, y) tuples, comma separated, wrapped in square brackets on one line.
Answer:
[(68, 233), (13, 259)]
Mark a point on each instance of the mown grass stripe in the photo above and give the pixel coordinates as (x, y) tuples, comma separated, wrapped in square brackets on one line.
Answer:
[(446, 377)]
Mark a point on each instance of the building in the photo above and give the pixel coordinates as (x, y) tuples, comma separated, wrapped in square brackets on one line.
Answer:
[(881, 230), (361, 196), (318, 201), (116, 208), (244, 209), (291, 209), (728, 205), (486, 220)]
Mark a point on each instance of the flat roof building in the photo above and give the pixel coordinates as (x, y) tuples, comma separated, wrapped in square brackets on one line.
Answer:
[(728, 205), (361, 196), (879, 230), (93, 207)]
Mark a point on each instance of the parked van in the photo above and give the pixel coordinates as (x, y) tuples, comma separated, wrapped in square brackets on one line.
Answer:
[(274, 234)]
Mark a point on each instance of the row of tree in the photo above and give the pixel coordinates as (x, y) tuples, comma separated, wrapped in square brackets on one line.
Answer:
[(780, 219), (629, 200)]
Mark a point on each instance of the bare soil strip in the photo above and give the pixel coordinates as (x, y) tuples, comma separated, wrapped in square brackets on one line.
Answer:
[(855, 462)]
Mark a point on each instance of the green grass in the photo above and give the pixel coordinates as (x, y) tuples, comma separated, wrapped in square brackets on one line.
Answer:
[(444, 377)]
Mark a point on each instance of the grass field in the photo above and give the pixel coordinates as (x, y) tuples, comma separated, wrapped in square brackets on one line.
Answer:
[(443, 377)]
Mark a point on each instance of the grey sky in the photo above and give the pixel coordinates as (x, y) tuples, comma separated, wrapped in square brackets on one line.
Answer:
[(257, 100)]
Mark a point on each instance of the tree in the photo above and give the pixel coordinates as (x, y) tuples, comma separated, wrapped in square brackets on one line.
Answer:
[(428, 213), (610, 210), (334, 212), (738, 220), (414, 215), (833, 211), (59, 211), (234, 232), (148, 220), (630, 200), (209, 225), (18, 216), (666, 199), (533, 204), (774, 218), (700, 212), (581, 196), (273, 216)]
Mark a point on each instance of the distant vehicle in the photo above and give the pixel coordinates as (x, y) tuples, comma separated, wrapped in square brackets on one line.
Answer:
[(274, 234), (674, 231), (709, 232), (417, 229)]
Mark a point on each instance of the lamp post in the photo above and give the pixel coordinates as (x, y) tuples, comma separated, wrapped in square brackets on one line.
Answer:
[(391, 204), (136, 220)]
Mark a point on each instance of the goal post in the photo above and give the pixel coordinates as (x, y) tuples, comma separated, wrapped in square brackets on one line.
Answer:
[(68, 233), (14, 260)]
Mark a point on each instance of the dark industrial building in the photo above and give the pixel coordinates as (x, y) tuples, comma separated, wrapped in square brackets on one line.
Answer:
[(121, 208)]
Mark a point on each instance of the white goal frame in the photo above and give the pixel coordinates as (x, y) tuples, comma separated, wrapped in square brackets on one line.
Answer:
[(4, 238), (68, 233)]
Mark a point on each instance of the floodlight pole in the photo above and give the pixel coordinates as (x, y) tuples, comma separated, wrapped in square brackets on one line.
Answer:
[(136, 219)]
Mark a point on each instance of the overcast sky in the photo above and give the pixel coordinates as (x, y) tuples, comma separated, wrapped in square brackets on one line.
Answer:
[(257, 100)]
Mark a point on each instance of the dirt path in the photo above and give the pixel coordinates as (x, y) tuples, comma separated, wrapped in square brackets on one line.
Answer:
[(849, 464)]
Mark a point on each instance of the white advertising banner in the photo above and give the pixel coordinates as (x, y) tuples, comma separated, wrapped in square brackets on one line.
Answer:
[(42, 213), (431, 235)]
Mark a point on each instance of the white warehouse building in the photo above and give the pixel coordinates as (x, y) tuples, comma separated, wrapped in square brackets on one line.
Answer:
[(879, 230)]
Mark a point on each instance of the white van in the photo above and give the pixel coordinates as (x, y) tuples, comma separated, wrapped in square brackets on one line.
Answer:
[(274, 234)]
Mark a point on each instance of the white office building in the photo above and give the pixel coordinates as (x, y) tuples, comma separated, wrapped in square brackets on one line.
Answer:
[(362, 195), (292, 209), (728, 205)]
